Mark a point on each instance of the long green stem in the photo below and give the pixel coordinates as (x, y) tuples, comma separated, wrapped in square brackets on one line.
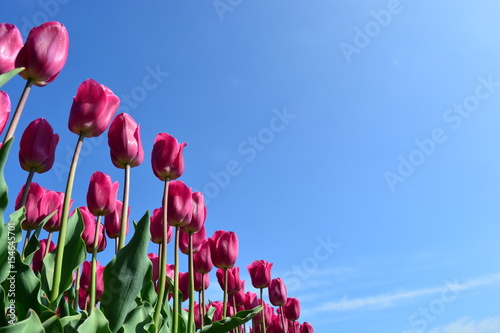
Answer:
[(49, 239), (64, 220), (162, 272), (124, 218), (24, 198), (263, 310), (225, 294), (77, 286), (202, 303), (175, 324), (93, 273), (18, 112), (282, 319), (191, 286)]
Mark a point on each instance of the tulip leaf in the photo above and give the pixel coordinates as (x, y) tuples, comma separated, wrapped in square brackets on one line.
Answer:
[(229, 323), (31, 324), (12, 233), (96, 322), (124, 277), (51, 322), (70, 323), (4, 200), (137, 319), (74, 256), (3, 306), (5, 77), (148, 293)]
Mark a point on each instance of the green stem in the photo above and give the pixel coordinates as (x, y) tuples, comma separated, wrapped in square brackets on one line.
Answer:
[(191, 285), (18, 112), (225, 294), (64, 220), (77, 286), (124, 218), (282, 319), (263, 310), (162, 272), (93, 273), (202, 303), (175, 324), (24, 198), (49, 239)]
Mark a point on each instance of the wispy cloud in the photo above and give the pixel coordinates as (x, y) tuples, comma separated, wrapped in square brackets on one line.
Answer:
[(392, 299), (467, 325)]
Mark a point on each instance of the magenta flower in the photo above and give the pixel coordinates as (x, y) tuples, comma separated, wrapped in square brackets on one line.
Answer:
[(306, 328), (198, 281), (93, 108), (233, 279), (166, 159), (180, 204), (4, 109), (11, 42), (184, 285), (155, 262), (101, 195), (277, 292), (260, 273), (50, 202), (291, 309), (38, 146), (44, 53), (202, 260), (112, 221), (156, 227), (199, 214), (85, 278), (124, 140), (40, 254), (198, 238), (35, 194), (88, 234), (224, 249)]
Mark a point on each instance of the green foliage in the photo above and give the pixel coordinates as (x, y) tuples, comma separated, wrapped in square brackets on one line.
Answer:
[(229, 323), (5, 77)]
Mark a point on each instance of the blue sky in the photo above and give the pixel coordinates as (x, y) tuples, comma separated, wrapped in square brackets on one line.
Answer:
[(354, 144)]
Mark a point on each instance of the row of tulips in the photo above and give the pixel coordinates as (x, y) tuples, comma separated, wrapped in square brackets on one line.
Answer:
[(82, 294)]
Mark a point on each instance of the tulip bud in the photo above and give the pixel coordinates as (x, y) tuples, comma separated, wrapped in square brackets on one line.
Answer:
[(101, 195), (35, 194), (4, 109), (251, 300), (184, 285), (199, 278), (40, 254), (92, 110), (224, 249), (233, 279), (44, 53), (306, 328), (199, 214), (86, 278), (218, 305), (38, 146), (277, 292), (179, 203), (291, 309), (156, 227), (166, 159), (11, 42), (155, 262), (51, 202), (260, 273), (112, 221), (202, 260), (197, 239), (124, 140), (88, 234)]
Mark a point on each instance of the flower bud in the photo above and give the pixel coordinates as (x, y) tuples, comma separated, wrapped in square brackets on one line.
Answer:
[(277, 292), (156, 227), (198, 238), (166, 159), (112, 222), (124, 140), (199, 278), (51, 202), (40, 254), (101, 195), (88, 234), (179, 203), (224, 249), (233, 279), (11, 42), (202, 260), (4, 109), (260, 273), (155, 262), (38, 146), (199, 214), (291, 309), (35, 194), (306, 328)]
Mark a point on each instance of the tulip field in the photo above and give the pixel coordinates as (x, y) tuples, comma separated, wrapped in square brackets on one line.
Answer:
[(46, 282)]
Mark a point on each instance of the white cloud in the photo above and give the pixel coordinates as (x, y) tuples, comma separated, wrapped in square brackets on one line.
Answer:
[(467, 325)]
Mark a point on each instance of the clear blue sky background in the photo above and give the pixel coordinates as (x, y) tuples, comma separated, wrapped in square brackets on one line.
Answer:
[(369, 88)]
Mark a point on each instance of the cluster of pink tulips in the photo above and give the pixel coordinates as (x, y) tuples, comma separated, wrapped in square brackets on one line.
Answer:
[(55, 288)]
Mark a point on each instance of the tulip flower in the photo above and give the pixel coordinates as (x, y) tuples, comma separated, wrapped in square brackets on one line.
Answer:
[(124, 141), (292, 309), (4, 109), (277, 292), (40, 254), (197, 239), (233, 279), (35, 194), (166, 159), (224, 249), (50, 202), (112, 221), (260, 273), (218, 310), (202, 259), (92, 110), (156, 227), (44, 53), (11, 42), (306, 328), (89, 231), (101, 195), (199, 214), (184, 285), (201, 281), (180, 204), (86, 279), (38, 146), (154, 261)]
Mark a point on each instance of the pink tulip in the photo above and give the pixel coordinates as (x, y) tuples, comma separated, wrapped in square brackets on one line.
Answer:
[(38, 146), (11, 42), (88, 234), (179, 203), (202, 260), (291, 309), (83, 299), (40, 254), (112, 221), (101, 195), (44, 53), (306, 328), (4, 109), (50, 202), (35, 194), (166, 159), (198, 238), (199, 214), (184, 285), (155, 262), (224, 249), (85, 278), (199, 278), (124, 140), (233, 279), (93, 108), (218, 305), (156, 227), (277, 292), (251, 300), (260, 273)]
